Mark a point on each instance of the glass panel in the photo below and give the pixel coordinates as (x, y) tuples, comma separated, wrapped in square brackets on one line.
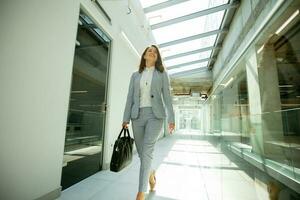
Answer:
[(86, 116), (187, 68), (86, 19), (189, 58), (188, 115), (188, 46), (278, 62), (191, 27), (234, 110), (102, 35), (189, 119), (182, 9), (256, 109)]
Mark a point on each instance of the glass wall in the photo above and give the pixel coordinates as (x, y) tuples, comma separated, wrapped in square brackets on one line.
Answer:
[(230, 108), (188, 113), (189, 118), (278, 65), (256, 108), (86, 117)]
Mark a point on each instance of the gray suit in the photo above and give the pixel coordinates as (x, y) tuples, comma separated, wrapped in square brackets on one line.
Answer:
[(147, 121), (159, 87)]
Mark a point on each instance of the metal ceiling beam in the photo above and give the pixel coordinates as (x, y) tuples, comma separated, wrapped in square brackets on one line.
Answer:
[(194, 37), (191, 52), (163, 5), (195, 15), (188, 63)]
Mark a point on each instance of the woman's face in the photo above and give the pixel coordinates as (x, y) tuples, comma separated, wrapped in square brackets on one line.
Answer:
[(151, 54)]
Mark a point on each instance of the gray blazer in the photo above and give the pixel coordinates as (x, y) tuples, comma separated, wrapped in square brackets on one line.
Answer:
[(160, 87)]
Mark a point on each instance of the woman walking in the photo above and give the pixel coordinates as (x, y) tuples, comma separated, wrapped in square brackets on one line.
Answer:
[(145, 108)]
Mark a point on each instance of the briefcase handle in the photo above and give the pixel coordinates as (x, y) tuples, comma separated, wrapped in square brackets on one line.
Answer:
[(125, 131)]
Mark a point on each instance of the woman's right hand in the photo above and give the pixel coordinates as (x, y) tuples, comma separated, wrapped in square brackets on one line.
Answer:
[(125, 125)]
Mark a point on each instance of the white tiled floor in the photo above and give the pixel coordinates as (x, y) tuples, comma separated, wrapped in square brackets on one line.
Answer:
[(188, 168)]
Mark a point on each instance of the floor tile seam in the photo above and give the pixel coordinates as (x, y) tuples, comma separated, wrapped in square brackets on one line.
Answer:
[(205, 182)]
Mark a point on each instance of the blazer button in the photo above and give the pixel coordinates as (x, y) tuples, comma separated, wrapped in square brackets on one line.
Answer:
[(152, 96)]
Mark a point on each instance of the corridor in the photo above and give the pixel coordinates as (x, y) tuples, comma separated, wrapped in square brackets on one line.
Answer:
[(190, 166), (224, 74)]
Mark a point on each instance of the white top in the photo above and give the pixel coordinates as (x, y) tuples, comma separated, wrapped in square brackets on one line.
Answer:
[(145, 87)]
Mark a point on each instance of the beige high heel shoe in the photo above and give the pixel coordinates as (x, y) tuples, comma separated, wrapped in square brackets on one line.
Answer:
[(140, 196), (152, 181)]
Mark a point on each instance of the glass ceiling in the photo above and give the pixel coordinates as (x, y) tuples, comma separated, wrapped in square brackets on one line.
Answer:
[(181, 34), (186, 59)]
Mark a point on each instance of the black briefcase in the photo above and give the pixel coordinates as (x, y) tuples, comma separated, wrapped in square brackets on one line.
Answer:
[(122, 154)]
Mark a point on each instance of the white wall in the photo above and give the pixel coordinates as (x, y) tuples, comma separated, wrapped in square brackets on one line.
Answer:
[(37, 46)]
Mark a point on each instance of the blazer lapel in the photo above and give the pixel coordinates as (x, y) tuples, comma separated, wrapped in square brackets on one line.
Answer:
[(137, 86), (153, 80)]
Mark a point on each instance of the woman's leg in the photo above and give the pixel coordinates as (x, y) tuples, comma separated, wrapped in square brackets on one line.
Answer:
[(138, 128), (152, 130)]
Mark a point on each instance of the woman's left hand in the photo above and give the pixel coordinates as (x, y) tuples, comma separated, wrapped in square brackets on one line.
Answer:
[(171, 127)]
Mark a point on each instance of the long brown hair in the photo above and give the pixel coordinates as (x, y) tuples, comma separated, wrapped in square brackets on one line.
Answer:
[(158, 64)]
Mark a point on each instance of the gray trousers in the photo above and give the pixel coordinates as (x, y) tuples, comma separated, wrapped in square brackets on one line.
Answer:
[(146, 129)]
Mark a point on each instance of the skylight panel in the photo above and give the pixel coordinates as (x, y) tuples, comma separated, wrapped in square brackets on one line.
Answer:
[(189, 58), (188, 68), (182, 9), (189, 28), (186, 21), (188, 46)]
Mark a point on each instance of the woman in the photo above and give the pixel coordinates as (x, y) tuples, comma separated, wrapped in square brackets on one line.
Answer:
[(145, 108)]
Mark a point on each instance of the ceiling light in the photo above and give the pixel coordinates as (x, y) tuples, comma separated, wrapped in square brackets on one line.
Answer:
[(260, 49), (287, 22), (79, 92), (228, 82)]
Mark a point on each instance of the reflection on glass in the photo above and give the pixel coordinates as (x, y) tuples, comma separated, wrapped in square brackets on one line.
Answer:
[(86, 116), (279, 58), (232, 109), (266, 134)]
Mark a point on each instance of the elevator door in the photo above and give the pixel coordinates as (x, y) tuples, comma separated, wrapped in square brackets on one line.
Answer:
[(87, 105)]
